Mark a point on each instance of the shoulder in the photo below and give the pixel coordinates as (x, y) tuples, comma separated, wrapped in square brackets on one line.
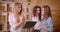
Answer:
[(11, 14), (49, 18)]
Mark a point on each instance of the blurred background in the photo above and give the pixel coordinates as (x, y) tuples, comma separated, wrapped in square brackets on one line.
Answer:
[(6, 6)]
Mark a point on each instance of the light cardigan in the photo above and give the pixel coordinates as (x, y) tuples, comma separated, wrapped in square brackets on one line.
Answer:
[(48, 24), (12, 23)]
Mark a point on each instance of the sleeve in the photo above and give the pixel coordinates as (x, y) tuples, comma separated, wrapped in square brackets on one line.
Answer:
[(11, 22), (50, 25)]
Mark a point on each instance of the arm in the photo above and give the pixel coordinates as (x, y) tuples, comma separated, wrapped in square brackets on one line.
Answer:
[(43, 28), (12, 22), (20, 23), (50, 25)]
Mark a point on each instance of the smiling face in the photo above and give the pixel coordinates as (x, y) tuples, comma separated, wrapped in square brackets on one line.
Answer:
[(18, 7), (38, 11), (44, 12), (47, 12)]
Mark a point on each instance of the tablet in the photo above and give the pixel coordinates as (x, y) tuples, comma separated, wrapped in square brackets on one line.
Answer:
[(29, 24)]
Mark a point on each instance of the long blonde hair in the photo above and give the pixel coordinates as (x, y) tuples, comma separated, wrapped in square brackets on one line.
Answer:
[(16, 12)]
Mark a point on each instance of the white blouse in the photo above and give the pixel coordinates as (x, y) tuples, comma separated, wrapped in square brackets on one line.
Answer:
[(37, 25), (12, 23)]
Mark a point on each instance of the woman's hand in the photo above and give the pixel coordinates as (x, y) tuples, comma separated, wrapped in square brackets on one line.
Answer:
[(43, 28), (18, 25)]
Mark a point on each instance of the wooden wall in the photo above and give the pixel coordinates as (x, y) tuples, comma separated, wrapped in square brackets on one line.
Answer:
[(55, 9)]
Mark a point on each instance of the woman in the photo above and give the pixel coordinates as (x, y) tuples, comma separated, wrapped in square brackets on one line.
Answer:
[(36, 17), (16, 19), (47, 22)]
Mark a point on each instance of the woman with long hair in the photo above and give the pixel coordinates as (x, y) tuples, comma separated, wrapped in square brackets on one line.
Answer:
[(16, 19), (47, 22), (36, 17)]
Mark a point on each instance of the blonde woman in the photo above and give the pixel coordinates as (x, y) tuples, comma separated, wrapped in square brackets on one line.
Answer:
[(16, 19)]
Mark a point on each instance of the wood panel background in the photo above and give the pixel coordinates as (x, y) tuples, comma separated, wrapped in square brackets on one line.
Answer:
[(55, 10)]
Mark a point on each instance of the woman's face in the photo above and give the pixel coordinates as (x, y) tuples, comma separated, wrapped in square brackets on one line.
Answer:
[(44, 12), (38, 10), (18, 7)]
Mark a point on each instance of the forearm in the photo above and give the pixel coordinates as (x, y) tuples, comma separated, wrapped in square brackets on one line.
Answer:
[(50, 29), (43, 28), (21, 23), (18, 25)]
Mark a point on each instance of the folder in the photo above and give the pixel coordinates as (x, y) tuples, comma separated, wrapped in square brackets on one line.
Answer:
[(29, 24)]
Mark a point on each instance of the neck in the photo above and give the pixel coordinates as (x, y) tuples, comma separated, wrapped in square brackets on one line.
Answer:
[(46, 17), (36, 16)]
